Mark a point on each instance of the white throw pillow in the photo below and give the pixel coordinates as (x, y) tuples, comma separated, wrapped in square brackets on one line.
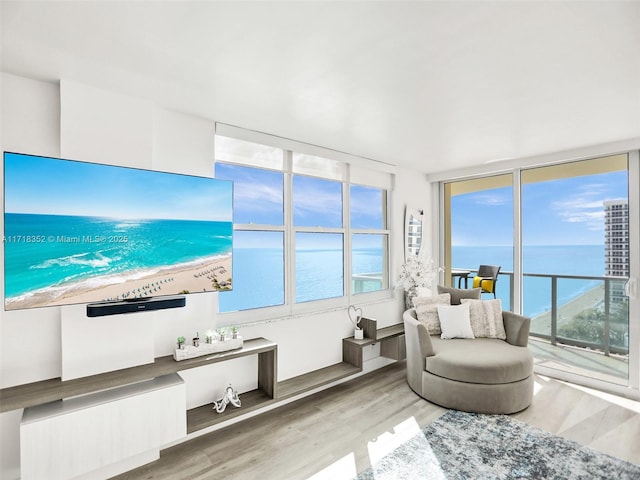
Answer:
[(486, 318), (454, 321), (427, 312)]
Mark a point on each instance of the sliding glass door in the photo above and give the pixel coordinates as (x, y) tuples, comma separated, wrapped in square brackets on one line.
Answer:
[(575, 255), (566, 238), (479, 229)]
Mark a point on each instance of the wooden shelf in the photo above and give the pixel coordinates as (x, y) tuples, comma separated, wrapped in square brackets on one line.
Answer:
[(205, 415), (390, 338), (31, 394), (317, 378), (371, 331), (391, 331)]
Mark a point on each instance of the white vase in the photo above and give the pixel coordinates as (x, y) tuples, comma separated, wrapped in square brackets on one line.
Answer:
[(408, 298), (358, 334)]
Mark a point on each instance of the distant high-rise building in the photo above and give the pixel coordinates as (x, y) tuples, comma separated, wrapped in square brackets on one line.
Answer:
[(616, 244)]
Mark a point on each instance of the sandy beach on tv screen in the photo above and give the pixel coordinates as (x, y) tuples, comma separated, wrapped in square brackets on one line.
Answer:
[(207, 276)]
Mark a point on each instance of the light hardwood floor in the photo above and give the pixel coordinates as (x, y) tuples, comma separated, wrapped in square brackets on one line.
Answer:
[(337, 429)]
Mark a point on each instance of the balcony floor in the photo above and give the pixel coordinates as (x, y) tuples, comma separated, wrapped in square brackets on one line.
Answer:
[(581, 361)]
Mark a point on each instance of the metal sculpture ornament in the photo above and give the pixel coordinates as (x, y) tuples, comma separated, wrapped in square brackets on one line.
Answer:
[(230, 397)]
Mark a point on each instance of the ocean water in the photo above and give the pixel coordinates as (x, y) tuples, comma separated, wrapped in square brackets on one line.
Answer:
[(44, 251), (577, 260), (259, 275)]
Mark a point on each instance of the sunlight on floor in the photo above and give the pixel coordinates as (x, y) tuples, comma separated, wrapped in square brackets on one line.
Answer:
[(381, 447), (537, 388), (627, 403), (343, 469), (388, 441)]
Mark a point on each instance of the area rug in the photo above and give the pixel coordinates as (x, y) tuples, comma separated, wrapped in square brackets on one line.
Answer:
[(462, 445)]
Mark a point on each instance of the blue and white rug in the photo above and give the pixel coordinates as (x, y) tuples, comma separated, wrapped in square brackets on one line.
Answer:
[(462, 445)]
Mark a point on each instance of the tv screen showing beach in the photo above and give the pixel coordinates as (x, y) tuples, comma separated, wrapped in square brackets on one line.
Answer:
[(78, 232)]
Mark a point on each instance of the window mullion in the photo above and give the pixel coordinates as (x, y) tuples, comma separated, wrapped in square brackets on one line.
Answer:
[(258, 228), (348, 244), (290, 237)]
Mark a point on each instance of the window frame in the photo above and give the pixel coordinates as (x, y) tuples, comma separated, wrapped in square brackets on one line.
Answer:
[(290, 308)]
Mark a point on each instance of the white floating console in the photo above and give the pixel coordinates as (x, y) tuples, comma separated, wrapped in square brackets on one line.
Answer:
[(76, 437), (218, 346)]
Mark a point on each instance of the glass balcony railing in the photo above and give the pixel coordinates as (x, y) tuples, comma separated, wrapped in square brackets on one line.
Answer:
[(583, 311), (367, 282)]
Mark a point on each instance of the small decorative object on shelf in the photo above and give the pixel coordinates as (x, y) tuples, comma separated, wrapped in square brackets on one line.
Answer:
[(209, 336), (355, 314), (234, 332), (222, 332), (216, 346), (181, 341), (230, 397), (196, 340)]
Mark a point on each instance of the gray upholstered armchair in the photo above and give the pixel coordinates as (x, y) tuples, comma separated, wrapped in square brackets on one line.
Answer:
[(484, 375)]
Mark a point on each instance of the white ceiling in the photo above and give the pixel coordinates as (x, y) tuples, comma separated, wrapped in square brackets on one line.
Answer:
[(426, 85)]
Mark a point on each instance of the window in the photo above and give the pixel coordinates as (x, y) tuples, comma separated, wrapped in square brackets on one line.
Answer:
[(317, 207), (300, 229), (568, 258), (479, 226), (316, 202), (319, 268), (258, 259), (369, 240), (258, 217)]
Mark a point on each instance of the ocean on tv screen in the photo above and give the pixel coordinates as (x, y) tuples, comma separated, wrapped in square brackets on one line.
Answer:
[(120, 260), (77, 232)]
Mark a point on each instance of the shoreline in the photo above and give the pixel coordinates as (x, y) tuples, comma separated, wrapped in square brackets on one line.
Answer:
[(541, 323), (209, 275)]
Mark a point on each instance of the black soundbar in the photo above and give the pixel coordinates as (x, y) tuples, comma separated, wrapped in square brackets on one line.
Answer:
[(142, 305)]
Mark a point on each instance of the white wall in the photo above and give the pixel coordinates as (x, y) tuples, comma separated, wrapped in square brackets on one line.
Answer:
[(81, 122)]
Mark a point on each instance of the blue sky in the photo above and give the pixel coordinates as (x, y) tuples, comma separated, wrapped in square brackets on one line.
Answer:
[(557, 212), (257, 194), (62, 187), (259, 199)]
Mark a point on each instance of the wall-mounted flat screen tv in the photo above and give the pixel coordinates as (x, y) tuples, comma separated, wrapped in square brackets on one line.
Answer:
[(79, 232)]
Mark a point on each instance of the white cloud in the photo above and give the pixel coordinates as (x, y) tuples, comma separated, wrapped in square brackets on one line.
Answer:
[(259, 193), (492, 199), (584, 207)]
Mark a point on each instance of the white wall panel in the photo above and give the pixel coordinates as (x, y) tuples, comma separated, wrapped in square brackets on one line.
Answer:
[(30, 124), (30, 116), (104, 127), (102, 344), (182, 143)]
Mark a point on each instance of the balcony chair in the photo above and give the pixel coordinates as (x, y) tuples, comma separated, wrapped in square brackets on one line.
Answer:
[(487, 278)]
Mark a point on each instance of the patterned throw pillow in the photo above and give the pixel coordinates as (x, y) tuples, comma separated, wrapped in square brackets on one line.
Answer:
[(427, 311), (486, 318)]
